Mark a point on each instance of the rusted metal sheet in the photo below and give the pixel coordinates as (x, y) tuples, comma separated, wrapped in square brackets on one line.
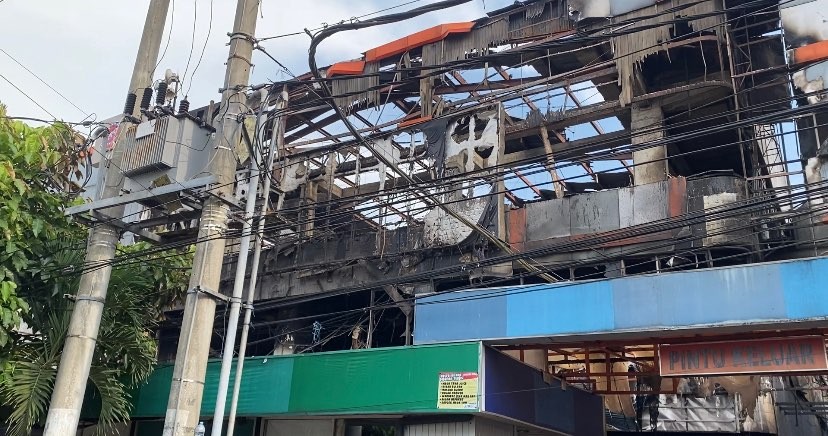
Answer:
[(516, 220), (677, 197), (626, 207), (768, 356), (469, 138), (654, 25), (584, 9), (713, 192), (715, 229), (642, 204), (457, 46), (651, 203), (540, 19), (348, 91)]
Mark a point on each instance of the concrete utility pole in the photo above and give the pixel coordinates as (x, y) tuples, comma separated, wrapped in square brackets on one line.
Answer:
[(184, 407), (73, 372)]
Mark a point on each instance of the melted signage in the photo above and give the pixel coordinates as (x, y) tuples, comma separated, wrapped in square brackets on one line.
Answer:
[(744, 357)]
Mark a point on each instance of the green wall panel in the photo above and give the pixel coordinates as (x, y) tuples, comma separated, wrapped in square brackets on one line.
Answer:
[(264, 390), (389, 380), (383, 380), (150, 400)]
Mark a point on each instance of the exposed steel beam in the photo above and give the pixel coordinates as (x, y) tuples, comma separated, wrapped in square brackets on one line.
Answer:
[(593, 123), (527, 182)]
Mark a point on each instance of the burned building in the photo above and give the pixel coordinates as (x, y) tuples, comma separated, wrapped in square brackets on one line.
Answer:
[(581, 184)]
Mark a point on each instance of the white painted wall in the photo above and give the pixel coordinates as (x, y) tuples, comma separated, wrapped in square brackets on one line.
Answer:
[(475, 427), (443, 429)]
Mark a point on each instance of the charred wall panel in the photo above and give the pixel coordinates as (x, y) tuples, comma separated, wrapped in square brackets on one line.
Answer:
[(549, 218), (712, 192), (594, 212)]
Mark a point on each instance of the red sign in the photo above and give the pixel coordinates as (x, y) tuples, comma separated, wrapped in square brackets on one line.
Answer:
[(802, 354)]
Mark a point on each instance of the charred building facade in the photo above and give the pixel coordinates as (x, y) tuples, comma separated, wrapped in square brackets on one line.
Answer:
[(583, 185)]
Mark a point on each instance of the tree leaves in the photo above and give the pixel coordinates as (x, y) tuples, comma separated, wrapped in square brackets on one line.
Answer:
[(29, 162), (11, 307), (41, 258), (125, 354), (29, 376), (37, 227)]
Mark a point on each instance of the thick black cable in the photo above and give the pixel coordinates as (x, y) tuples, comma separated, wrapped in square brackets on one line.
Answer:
[(270, 229), (721, 212)]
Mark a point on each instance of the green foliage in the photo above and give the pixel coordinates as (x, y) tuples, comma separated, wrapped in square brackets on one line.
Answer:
[(30, 374), (125, 354), (32, 164), (41, 259)]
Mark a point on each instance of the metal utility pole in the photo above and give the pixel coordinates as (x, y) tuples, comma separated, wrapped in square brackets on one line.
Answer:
[(238, 287), (73, 371), (184, 406), (276, 143)]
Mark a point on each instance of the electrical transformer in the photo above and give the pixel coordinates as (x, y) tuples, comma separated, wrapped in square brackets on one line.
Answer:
[(167, 150)]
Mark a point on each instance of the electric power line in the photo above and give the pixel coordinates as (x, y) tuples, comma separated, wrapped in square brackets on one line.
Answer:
[(44, 82), (646, 145), (192, 42), (304, 32), (203, 48), (27, 96)]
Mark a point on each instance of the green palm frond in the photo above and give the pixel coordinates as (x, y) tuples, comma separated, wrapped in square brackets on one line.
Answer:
[(127, 349), (125, 353), (28, 391), (115, 399), (30, 376)]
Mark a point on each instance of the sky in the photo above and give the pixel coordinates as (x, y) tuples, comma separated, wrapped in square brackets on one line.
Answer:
[(85, 49)]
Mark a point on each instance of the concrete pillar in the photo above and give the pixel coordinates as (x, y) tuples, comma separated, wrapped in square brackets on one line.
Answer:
[(648, 126), (339, 427)]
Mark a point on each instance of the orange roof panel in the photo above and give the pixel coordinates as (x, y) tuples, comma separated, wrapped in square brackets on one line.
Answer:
[(418, 39), (347, 68), (413, 121)]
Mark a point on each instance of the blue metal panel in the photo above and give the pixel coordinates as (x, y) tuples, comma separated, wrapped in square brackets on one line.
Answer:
[(454, 317), (567, 308), (720, 296), (805, 289), (783, 293)]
